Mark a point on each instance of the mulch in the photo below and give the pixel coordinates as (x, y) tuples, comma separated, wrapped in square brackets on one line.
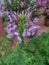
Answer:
[(2, 31)]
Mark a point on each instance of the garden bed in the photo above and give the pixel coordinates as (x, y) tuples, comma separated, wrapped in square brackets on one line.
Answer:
[(24, 33)]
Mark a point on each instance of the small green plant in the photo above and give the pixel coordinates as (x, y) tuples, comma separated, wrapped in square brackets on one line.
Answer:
[(22, 23)]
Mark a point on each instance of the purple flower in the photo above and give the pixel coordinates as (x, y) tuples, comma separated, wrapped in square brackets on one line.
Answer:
[(1, 7), (8, 30), (34, 27), (10, 35), (1, 14), (28, 33), (30, 14), (7, 12), (22, 4), (44, 3), (35, 20), (24, 33), (19, 39), (38, 3), (16, 33), (10, 18), (41, 3), (31, 23), (11, 27)]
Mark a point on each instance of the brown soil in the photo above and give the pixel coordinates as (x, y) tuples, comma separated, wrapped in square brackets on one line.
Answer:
[(41, 24), (3, 52), (2, 31), (42, 29)]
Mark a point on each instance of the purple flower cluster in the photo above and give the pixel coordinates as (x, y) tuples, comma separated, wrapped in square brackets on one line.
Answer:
[(30, 32), (12, 27), (31, 28), (41, 3)]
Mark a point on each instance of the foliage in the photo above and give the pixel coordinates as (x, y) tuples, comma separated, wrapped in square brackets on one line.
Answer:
[(21, 24), (32, 5), (5, 19), (5, 41), (36, 52), (15, 5)]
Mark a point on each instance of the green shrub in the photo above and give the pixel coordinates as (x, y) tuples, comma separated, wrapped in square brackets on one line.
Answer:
[(36, 52)]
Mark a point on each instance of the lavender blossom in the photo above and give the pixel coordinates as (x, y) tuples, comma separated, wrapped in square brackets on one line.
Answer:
[(10, 35), (28, 33), (1, 14), (16, 33), (7, 12), (35, 20), (41, 3), (24, 33), (38, 3), (30, 14), (10, 18), (10, 28), (44, 3), (22, 4), (33, 28)]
